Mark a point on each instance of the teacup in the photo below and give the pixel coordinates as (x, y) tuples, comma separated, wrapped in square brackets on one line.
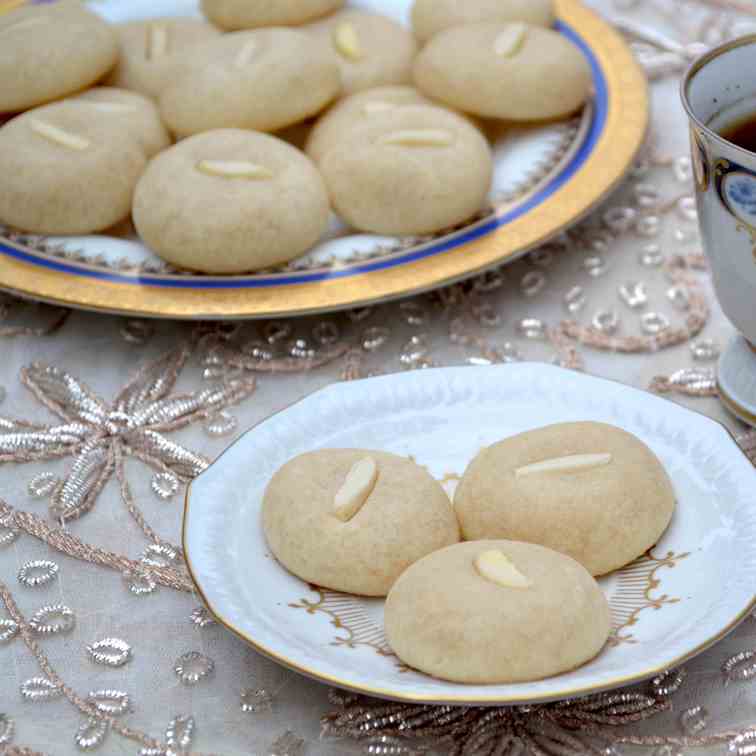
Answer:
[(718, 90)]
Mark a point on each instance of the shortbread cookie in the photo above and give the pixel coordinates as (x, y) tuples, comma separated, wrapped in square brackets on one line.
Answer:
[(242, 14), (66, 172), (493, 612), (354, 520), (49, 51), (230, 201), (372, 50), (148, 50), (589, 490), (132, 114), (429, 17), (264, 80), (411, 170), (353, 112), (515, 72)]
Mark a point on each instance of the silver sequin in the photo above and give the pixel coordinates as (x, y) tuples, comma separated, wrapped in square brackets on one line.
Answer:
[(192, 667), (41, 486), (360, 314), (490, 281), (679, 296), (374, 338), (110, 652), (180, 733), (648, 226), (326, 333), (651, 256), (52, 620), (685, 235), (256, 701), (595, 266), (201, 617), (162, 555), (277, 331), (139, 582), (740, 667), (668, 683), (415, 350), (486, 315), (542, 258), (743, 744), (667, 750), (694, 721), (533, 283), (8, 531), (606, 321), (413, 313), (646, 195), (8, 630), (223, 423), (287, 744), (7, 727), (37, 573), (531, 328), (634, 294), (575, 299), (137, 331), (705, 350), (620, 219), (40, 689), (110, 702), (91, 734), (164, 485), (654, 323)]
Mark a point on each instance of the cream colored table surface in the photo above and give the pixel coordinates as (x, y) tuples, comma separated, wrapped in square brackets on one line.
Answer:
[(464, 325)]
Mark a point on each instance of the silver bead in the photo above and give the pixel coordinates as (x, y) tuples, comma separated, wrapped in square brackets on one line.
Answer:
[(740, 667), (531, 328), (533, 283), (648, 226), (634, 294), (651, 256), (7, 726), (414, 350), (654, 323), (41, 486), (413, 313), (606, 321), (575, 299), (258, 350), (139, 582), (256, 701), (300, 349), (687, 209), (620, 219), (137, 331), (201, 617), (37, 573), (110, 652), (40, 689), (110, 702), (646, 195), (223, 423), (705, 350), (180, 733), (683, 169), (52, 620), (743, 744), (326, 333), (595, 266), (694, 721), (8, 531), (8, 630), (287, 744), (91, 734), (192, 667), (164, 485), (374, 338), (679, 296), (276, 331)]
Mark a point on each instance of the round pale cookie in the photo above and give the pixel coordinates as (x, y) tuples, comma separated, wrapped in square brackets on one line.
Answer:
[(589, 490), (372, 50), (355, 111), (495, 612), (230, 201), (264, 80), (49, 51), (129, 112), (242, 14), (148, 49), (65, 172), (353, 520), (511, 71), (411, 170), (429, 17)]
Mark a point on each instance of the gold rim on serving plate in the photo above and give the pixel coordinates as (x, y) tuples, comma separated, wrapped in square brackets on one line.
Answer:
[(462, 700), (624, 119)]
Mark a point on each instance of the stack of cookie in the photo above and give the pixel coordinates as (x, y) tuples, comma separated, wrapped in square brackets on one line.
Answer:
[(541, 514), (234, 194)]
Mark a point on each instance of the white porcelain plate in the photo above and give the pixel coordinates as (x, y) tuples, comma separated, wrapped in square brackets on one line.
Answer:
[(688, 592)]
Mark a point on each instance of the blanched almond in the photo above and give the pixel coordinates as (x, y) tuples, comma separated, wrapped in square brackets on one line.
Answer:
[(357, 486), (498, 568), (574, 463), (234, 169), (419, 138), (347, 42), (510, 40), (59, 136)]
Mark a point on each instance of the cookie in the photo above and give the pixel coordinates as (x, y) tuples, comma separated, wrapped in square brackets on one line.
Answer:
[(495, 612), (353, 520), (230, 201), (510, 71), (66, 172), (356, 110), (429, 17), (241, 14), (589, 490), (372, 50), (148, 49), (411, 170), (129, 112), (264, 80), (52, 50)]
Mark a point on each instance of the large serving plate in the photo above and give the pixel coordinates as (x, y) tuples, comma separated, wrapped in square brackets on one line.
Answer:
[(688, 592), (546, 178)]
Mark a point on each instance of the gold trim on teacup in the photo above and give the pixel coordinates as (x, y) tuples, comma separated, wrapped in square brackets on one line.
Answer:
[(734, 406)]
